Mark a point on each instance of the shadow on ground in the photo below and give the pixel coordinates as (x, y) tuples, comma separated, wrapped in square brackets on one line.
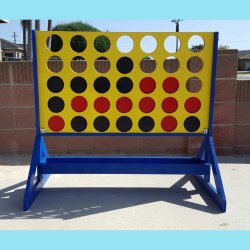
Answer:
[(69, 203)]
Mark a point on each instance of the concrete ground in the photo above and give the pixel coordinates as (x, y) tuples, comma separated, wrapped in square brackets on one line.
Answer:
[(140, 202)]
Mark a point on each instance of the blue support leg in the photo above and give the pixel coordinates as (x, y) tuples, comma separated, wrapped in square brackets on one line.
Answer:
[(216, 193), (202, 154), (35, 183), (43, 156)]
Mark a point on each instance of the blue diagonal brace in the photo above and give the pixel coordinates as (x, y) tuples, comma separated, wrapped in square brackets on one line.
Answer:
[(216, 193), (35, 183)]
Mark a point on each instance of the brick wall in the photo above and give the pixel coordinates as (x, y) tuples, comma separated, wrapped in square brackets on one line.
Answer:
[(17, 119), (242, 118)]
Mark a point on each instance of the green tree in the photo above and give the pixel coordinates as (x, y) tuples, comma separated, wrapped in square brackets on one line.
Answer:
[(224, 47), (199, 47), (196, 48), (101, 43)]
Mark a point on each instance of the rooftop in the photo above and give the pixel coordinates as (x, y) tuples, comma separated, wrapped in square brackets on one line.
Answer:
[(5, 44)]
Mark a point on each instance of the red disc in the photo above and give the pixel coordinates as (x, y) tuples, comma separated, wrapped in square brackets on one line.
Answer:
[(56, 123), (102, 104), (170, 85), (169, 123), (79, 104), (192, 104), (147, 85), (124, 104), (169, 105), (147, 104)]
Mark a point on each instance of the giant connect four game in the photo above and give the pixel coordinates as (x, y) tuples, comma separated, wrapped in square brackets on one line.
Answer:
[(124, 83)]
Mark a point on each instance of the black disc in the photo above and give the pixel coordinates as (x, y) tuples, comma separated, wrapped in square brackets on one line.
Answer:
[(56, 104), (55, 84), (192, 123), (78, 84), (101, 123), (124, 124), (124, 85), (101, 84), (146, 123), (78, 123), (124, 65)]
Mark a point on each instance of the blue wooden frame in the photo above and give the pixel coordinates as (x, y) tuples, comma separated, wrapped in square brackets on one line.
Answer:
[(42, 164)]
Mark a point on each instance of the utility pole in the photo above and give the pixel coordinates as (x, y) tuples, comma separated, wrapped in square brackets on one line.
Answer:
[(14, 36), (177, 28), (50, 37)]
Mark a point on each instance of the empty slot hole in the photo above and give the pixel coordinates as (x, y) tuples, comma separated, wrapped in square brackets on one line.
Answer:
[(172, 44), (102, 44), (102, 65), (148, 64), (196, 43), (193, 85), (125, 44), (194, 64), (54, 43), (78, 43), (55, 64), (148, 44), (78, 64), (171, 64)]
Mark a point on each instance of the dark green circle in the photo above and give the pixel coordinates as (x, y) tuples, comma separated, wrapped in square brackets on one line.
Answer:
[(78, 43), (102, 44)]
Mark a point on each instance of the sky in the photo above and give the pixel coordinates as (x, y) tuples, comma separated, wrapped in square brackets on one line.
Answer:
[(233, 33)]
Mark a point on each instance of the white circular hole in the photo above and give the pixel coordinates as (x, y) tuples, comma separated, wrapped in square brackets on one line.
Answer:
[(172, 44), (148, 44), (125, 44), (196, 43)]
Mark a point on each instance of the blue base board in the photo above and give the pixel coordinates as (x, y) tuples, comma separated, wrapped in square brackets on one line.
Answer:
[(124, 165)]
